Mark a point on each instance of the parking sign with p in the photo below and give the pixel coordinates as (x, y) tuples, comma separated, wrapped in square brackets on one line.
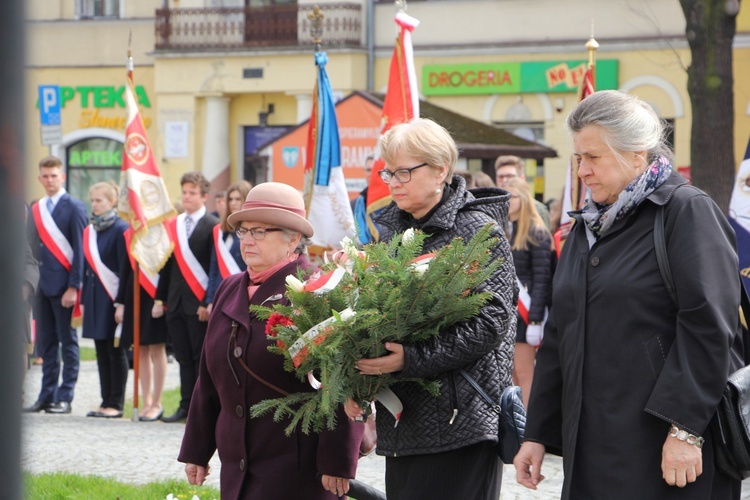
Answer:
[(49, 112)]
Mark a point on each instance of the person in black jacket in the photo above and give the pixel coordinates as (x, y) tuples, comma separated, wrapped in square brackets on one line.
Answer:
[(626, 381), (444, 447), (531, 244)]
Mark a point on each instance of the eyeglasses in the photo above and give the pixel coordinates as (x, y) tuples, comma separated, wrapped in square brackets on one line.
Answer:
[(258, 233), (402, 175)]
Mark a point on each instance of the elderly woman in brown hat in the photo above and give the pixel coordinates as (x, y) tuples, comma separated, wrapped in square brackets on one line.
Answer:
[(236, 371)]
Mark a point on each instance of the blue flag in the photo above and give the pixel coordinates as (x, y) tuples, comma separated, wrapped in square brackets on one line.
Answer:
[(326, 197)]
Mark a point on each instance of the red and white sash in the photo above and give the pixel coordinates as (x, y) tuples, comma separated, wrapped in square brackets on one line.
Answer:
[(524, 301), (107, 277), (227, 264), (191, 269), (148, 281), (51, 235)]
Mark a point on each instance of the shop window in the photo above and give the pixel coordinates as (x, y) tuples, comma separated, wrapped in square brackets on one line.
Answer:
[(87, 9), (92, 160)]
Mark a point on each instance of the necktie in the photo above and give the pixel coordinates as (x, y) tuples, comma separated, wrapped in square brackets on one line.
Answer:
[(50, 205), (188, 226)]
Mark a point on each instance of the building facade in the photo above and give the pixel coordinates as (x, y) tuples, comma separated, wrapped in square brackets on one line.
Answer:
[(217, 81)]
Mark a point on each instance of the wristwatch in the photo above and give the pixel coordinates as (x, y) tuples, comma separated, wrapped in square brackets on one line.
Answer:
[(684, 435)]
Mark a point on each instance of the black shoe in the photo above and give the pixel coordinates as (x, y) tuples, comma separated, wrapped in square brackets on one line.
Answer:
[(177, 416), (59, 408), (37, 407), (154, 418)]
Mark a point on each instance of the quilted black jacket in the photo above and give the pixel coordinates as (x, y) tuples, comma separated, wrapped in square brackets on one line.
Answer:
[(534, 270), (483, 346)]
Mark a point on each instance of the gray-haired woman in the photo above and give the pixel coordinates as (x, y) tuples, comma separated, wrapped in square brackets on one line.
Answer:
[(626, 382)]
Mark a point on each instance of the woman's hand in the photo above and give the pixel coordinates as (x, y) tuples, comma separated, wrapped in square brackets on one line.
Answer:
[(681, 463), (353, 410), (119, 313), (158, 310), (339, 486), (390, 363), (528, 464), (197, 474)]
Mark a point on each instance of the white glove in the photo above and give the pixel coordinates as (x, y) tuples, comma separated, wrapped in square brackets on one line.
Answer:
[(534, 335)]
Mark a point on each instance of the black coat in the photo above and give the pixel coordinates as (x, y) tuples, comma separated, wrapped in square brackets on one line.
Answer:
[(619, 363), (483, 346)]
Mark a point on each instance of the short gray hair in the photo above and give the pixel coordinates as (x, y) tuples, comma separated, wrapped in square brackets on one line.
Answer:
[(304, 241), (629, 123)]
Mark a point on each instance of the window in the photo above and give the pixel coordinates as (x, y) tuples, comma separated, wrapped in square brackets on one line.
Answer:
[(87, 9), (89, 161)]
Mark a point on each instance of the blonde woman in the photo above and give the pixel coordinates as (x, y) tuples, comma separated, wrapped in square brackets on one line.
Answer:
[(530, 243), (104, 248)]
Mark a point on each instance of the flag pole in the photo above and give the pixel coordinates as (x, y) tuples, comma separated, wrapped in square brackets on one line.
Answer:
[(591, 45), (136, 292)]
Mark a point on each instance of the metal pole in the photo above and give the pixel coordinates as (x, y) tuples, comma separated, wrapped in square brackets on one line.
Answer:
[(12, 113)]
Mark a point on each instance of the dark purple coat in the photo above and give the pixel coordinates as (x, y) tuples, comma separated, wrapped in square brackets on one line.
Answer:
[(258, 461)]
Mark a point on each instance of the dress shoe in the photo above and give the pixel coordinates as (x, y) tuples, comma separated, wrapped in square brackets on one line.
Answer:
[(177, 416), (154, 418), (37, 407), (95, 414), (59, 408), (112, 415)]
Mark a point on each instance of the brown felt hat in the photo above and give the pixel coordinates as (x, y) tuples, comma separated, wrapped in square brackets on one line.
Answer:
[(274, 203)]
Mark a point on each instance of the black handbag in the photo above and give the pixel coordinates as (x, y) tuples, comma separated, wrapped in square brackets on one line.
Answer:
[(512, 422), (730, 427)]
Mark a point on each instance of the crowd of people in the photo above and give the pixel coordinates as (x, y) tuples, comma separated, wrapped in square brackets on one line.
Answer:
[(618, 378)]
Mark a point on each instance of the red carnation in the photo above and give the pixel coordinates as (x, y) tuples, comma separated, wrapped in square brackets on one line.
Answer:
[(274, 320)]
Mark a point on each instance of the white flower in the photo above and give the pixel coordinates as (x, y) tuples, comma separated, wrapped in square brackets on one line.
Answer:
[(349, 247), (294, 284), (408, 236), (420, 269)]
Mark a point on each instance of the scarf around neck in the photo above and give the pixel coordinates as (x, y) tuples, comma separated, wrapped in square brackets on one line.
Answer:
[(105, 220), (600, 218), (257, 278)]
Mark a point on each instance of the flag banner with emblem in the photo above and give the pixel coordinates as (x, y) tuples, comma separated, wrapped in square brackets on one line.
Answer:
[(575, 191), (401, 104), (739, 216), (326, 196), (144, 201)]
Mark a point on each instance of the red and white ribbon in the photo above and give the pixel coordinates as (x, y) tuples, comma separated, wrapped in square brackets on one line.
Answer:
[(388, 398), (227, 264), (327, 282), (109, 280), (524, 301), (299, 350), (191, 269), (51, 235), (148, 281)]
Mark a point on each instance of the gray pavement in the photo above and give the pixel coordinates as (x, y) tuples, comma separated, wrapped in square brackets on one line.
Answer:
[(141, 452)]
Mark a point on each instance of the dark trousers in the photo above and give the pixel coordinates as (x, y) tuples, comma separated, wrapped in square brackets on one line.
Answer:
[(113, 373), (187, 334), (54, 334), (473, 472)]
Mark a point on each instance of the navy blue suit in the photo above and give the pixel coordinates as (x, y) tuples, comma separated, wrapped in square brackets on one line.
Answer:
[(99, 317), (52, 319), (214, 276)]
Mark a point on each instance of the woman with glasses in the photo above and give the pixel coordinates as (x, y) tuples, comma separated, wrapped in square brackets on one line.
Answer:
[(227, 259), (258, 461), (444, 447), (531, 244)]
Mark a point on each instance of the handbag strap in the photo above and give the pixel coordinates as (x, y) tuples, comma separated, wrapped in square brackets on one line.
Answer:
[(233, 340), (478, 388), (662, 259)]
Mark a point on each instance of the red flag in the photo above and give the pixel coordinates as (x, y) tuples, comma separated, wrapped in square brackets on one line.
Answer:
[(575, 192), (401, 104), (144, 201)]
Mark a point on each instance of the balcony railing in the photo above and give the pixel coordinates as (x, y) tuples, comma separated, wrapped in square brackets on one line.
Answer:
[(253, 27)]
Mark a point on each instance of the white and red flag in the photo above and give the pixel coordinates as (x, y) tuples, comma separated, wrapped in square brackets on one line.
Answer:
[(144, 201), (401, 105)]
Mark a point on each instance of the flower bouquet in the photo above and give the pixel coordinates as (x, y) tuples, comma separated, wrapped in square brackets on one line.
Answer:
[(386, 292)]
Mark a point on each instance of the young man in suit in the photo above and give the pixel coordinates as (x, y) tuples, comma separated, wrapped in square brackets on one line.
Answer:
[(55, 234), (183, 283)]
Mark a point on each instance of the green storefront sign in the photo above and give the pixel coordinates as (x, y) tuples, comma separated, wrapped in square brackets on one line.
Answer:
[(515, 78)]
